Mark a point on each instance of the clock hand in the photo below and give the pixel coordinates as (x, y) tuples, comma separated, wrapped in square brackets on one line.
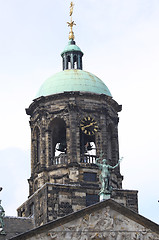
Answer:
[(85, 126), (92, 123)]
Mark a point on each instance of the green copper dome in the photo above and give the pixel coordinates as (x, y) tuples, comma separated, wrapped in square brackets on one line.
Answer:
[(71, 47), (73, 80)]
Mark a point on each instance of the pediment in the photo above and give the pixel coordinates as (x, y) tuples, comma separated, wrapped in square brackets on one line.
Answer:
[(107, 220), (105, 223)]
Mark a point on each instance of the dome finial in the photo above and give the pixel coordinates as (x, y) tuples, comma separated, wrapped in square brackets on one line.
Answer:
[(71, 23)]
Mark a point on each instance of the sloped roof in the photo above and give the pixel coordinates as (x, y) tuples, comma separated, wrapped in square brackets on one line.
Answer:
[(16, 225)]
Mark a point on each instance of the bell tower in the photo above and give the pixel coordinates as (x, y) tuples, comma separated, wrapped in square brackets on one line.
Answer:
[(72, 119)]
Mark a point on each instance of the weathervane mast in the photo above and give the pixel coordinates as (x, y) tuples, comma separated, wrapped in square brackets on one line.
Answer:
[(71, 23)]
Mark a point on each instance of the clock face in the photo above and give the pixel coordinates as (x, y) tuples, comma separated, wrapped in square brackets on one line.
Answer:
[(88, 126)]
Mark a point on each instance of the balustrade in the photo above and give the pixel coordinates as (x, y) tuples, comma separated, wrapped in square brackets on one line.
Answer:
[(88, 159), (61, 159)]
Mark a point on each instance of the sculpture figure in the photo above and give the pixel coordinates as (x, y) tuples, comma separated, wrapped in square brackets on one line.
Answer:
[(2, 214), (105, 174)]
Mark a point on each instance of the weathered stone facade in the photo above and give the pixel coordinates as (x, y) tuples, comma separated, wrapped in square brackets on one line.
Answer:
[(103, 221), (53, 201), (56, 119)]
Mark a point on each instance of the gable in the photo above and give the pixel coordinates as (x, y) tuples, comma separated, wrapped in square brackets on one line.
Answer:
[(105, 220), (103, 224)]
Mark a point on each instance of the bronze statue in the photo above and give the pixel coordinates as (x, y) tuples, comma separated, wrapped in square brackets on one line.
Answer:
[(105, 174)]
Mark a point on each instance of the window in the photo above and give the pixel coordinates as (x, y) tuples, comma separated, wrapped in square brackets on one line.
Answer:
[(31, 210), (57, 140), (91, 199), (90, 177)]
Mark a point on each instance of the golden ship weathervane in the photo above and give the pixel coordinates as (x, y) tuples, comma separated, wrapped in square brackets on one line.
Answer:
[(71, 23)]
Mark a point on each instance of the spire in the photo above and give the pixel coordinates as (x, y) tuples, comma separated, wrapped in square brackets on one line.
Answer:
[(72, 54), (71, 23)]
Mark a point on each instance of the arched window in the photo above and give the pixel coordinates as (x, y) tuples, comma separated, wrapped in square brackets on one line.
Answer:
[(57, 140), (75, 62), (88, 145), (88, 130), (68, 62)]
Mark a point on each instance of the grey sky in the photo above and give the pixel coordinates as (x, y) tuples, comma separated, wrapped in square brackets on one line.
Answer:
[(120, 41)]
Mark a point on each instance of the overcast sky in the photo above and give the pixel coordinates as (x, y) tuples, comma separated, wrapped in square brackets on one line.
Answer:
[(120, 41)]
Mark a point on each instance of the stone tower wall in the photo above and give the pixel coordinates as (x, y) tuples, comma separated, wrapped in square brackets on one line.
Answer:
[(71, 108), (60, 185), (64, 199)]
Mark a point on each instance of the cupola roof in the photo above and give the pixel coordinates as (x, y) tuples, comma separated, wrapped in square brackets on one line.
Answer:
[(71, 46), (73, 80)]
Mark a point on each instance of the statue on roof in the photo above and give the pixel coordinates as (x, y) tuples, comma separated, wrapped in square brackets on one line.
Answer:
[(105, 174), (2, 214)]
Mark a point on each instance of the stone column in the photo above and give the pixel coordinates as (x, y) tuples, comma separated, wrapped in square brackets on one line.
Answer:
[(47, 145), (79, 62), (68, 142), (103, 134), (78, 144), (43, 148), (115, 146), (72, 62), (32, 152), (98, 143), (73, 137), (65, 63)]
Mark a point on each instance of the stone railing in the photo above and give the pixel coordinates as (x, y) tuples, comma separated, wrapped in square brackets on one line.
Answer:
[(61, 159), (88, 159)]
